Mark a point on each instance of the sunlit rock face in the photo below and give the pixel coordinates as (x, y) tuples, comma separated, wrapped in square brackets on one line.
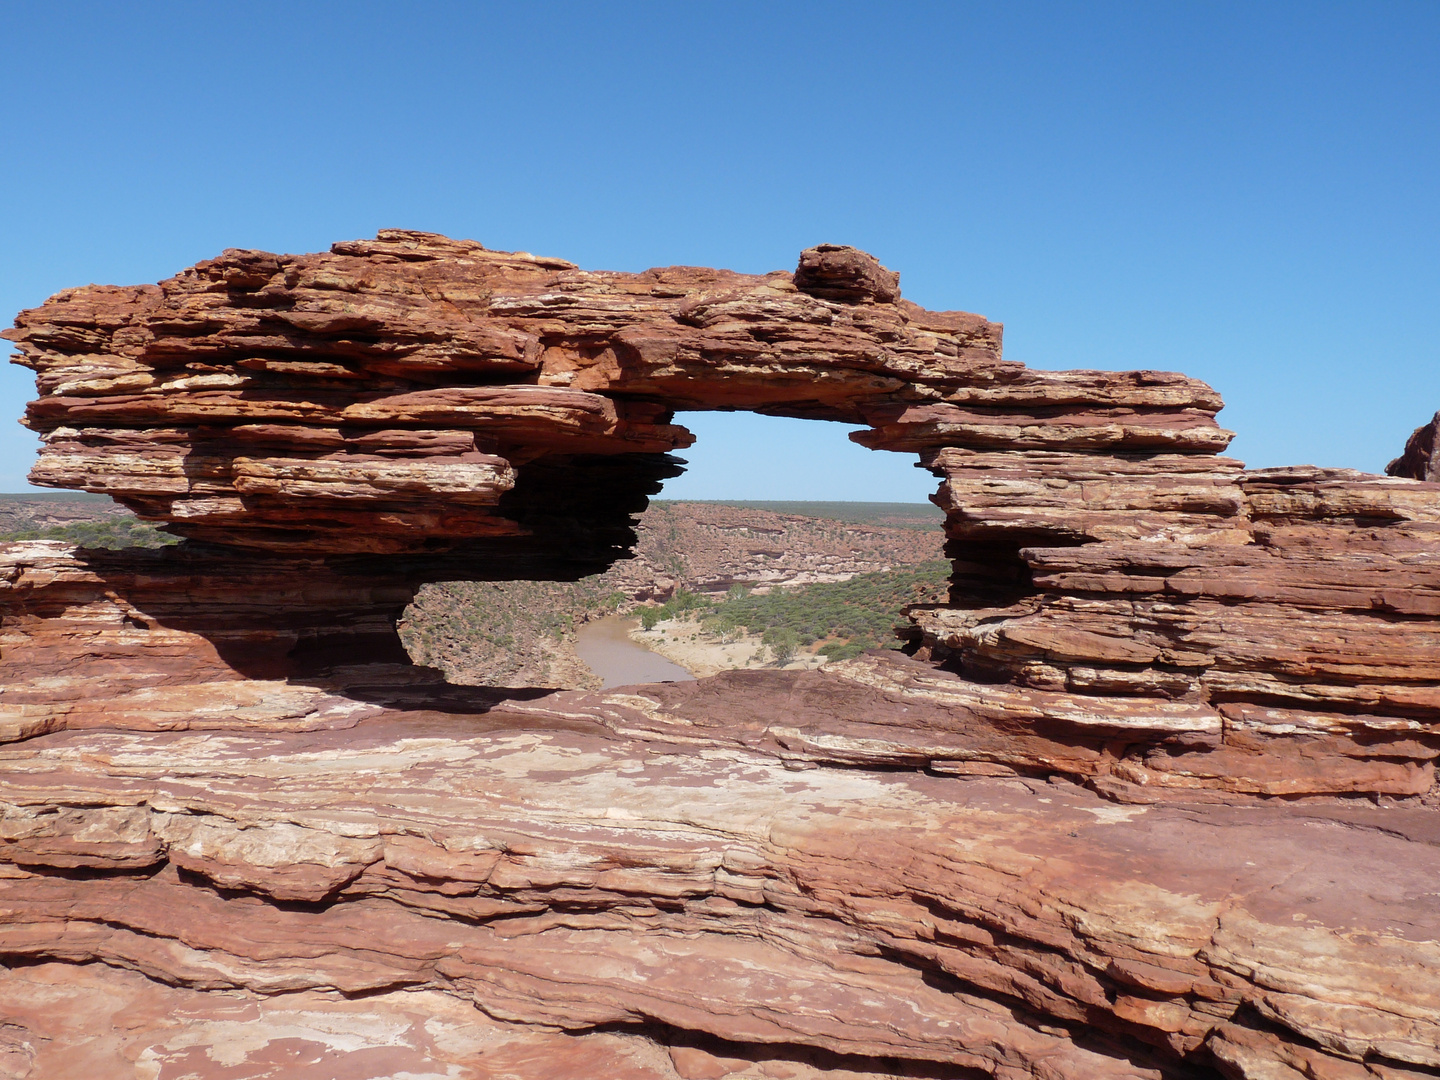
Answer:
[(667, 861), (1295, 608), (1421, 458), (1152, 797)]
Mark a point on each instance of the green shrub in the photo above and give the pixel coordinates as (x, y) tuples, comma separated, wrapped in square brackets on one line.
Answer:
[(119, 532), (782, 642), (860, 612)]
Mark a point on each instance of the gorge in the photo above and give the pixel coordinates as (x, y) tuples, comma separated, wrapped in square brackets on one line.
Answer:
[(1152, 794)]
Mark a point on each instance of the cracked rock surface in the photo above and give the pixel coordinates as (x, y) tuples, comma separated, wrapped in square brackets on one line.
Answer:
[(637, 861)]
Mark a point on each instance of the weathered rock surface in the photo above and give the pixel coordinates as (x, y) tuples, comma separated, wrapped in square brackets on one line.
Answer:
[(80, 1022), (1421, 459), (414, 393), (1295, 610), (180, 638), (1154, 797), (330, 403), (871, 864), (657, 856)]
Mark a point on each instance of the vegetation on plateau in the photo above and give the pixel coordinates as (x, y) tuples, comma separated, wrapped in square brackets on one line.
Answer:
[(504, 633), (517, 633), (111, 532), (844, 617), (892, 515)]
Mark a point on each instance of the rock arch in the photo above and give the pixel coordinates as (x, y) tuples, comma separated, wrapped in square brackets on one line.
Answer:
[(417, 395), (1238, 657), (416, 408)]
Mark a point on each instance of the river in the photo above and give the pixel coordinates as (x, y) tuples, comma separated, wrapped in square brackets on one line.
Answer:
[(607, 649)]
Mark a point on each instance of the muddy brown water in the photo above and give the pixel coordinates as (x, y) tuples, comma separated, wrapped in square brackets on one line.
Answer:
[(607, 649)]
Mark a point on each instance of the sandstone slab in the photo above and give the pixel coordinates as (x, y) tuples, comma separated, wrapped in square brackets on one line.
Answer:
[(560, 873)]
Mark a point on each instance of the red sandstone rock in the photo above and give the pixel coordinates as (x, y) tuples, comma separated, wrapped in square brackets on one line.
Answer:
[(83, 1022), (255, 394), (1105, 823), (917, 428), (1421, 459), (610, 874), (846, 274), (1192, 581)]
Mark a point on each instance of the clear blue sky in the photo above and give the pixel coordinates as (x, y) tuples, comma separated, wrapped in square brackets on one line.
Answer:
[(1246, 192)]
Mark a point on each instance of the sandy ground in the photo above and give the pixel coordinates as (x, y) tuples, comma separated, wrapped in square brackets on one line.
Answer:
[(700, 654)]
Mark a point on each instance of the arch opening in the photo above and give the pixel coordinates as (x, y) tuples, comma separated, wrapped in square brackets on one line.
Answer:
[(751, 456), (782, 545)]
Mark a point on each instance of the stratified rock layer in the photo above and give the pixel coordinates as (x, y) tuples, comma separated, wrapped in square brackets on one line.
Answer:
[(419, 394), (182, 637), (1294, 609), (672, 858), (1154, 796)]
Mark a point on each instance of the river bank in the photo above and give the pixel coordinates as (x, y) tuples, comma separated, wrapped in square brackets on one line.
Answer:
[(608, 648), (619, 653), (703, 654)]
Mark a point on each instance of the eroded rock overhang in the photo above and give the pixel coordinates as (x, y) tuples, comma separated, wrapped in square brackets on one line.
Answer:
[(419, 395)]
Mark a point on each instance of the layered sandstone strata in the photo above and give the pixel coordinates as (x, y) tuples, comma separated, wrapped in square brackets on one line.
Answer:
[(673, 865), (1155, 796), (418, 394), (181, 637), (1294, 609), (414, 393)]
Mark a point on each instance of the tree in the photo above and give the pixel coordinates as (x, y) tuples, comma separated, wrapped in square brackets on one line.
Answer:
[(783, 642)]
